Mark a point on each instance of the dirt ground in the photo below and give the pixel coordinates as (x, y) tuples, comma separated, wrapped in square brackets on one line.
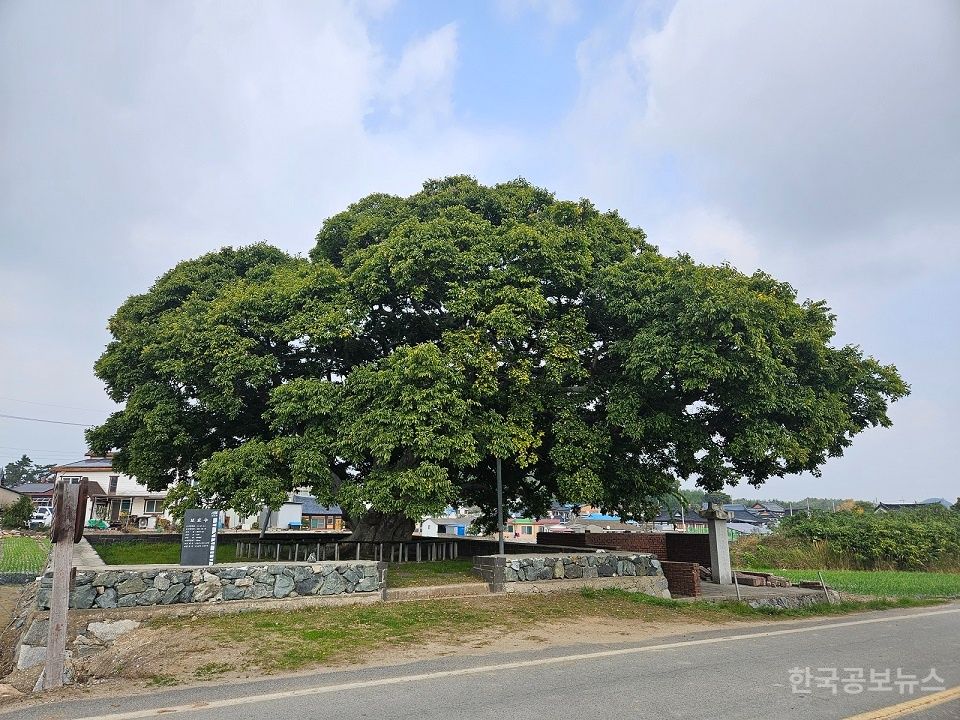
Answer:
[(9, 594)]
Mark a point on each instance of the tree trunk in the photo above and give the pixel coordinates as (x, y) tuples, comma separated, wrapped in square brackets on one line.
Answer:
[(376, 526)]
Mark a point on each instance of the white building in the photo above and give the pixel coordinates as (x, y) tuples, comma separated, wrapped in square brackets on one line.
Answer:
[(113, 497)]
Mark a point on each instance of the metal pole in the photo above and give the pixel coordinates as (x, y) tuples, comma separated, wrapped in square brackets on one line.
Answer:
[(499, 507)]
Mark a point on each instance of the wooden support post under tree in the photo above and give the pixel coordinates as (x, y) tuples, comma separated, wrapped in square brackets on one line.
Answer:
[(69, 508)]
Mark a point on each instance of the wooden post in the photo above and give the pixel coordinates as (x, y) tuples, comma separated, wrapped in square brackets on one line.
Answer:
[(278, 552), (258, 550), (418, 552), (65, 511), (296, 551), (358, 551), (336, 550)]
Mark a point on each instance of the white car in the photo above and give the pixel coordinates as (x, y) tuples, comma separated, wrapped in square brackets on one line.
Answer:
[(41, 518)]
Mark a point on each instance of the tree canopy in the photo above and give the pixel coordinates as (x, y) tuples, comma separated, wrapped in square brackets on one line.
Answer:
[(426, 336), (24, 470)]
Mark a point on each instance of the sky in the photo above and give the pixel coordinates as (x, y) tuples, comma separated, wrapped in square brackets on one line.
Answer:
[(818, 141)]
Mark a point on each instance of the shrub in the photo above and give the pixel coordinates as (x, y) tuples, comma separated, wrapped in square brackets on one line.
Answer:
[(16, 516), (907, 540)]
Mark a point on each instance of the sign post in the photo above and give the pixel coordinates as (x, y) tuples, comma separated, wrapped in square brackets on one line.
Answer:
[(69, 508), (198, 541)]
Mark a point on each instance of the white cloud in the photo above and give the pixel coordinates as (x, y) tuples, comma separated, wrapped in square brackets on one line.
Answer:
[(556, 12), (709, 236), (419, 89), (136, 136), (818, 142)]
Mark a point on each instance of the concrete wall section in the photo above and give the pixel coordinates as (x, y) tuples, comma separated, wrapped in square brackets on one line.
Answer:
[(167, 585)]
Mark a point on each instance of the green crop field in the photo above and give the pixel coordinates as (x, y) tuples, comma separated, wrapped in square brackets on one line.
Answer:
[(23, 554), (887, 583)]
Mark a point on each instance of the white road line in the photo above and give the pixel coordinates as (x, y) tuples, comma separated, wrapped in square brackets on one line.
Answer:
[(325, 689)]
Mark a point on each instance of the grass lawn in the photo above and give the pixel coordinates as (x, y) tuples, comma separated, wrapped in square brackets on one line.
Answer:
[(148, 553), (284, 640), (888, 583), (440, 572), (23, 554)]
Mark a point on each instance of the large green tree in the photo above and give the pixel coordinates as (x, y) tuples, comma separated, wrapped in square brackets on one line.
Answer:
[(427, 336), (24, 470)]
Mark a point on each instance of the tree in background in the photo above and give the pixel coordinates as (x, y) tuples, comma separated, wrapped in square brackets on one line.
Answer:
[(24, 470), (427, 336)]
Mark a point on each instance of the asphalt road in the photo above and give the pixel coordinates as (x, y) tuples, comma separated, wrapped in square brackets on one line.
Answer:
[(740, 674)]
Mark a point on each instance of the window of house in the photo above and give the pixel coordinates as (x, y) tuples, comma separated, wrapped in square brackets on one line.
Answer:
[(113, 483), (527, 530), (152, 506), (330, 521), (509, 528), (72, 480), (125, 505)]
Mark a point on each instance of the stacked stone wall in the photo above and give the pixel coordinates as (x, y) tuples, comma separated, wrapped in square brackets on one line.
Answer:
[(548, 572), (137, 587)]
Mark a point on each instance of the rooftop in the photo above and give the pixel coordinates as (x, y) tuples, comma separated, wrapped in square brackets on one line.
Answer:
[(32, 488), (89, 463), (312, 507)]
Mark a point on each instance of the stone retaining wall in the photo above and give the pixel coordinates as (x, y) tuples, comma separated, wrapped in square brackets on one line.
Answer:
[(159, 585), (636, 572)]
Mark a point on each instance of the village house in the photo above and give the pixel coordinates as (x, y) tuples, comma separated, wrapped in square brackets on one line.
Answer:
[(315, 516), (40, 494), (527, 528), (9, 496), (927, 504), (434, 527), (113, 497)]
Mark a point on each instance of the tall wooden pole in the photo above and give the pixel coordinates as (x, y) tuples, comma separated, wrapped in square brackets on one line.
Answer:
[(65, 510)]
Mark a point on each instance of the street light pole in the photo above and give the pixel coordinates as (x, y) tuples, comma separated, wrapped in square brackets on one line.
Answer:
[(500, 506)]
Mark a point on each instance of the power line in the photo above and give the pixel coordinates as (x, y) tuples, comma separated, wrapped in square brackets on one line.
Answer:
[(54, 422), (42, 451), (53, 405)]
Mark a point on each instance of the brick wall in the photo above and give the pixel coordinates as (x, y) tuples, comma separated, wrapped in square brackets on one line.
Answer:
[(654, 543), (692, 547), (683, 578), (559, 538)]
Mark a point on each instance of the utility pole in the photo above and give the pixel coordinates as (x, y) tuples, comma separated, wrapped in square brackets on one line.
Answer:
[(499, 507)]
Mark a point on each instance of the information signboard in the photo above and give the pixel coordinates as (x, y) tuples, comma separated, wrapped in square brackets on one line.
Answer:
[(198, 542)]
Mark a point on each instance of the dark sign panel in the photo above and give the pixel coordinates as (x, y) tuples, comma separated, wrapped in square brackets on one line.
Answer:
[(198, 543)]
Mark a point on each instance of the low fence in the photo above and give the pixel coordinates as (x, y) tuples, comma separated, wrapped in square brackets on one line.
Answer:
[(301, 550)]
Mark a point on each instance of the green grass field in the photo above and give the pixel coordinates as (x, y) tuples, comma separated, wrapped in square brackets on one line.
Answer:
[(144, 553), (23, 554), (440, 572), (886, 583)]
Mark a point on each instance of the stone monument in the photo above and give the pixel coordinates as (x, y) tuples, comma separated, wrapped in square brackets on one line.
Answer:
[(716, 518)]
